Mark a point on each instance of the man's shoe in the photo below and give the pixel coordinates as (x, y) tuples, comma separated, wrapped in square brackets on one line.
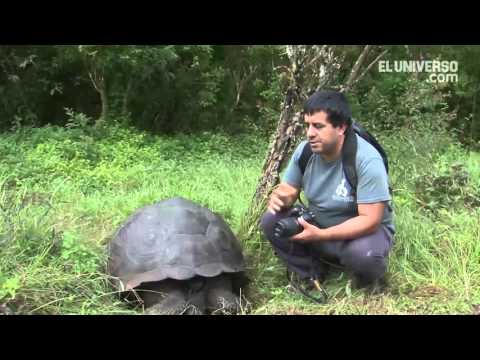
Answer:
[(310, 288), (378, 286)]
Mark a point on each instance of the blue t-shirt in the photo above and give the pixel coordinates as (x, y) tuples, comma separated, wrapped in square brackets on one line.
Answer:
[(327, 189)]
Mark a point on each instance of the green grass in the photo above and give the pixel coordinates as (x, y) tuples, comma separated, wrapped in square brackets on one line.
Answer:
[(63, 193)]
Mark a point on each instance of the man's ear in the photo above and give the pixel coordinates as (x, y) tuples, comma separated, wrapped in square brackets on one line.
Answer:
[(342, 129)]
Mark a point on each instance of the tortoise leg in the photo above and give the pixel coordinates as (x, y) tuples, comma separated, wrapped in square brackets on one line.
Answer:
[(167, 297), (220, 296), (196, 296)]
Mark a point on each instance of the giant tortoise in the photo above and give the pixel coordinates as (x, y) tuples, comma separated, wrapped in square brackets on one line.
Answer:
[(180, 258)]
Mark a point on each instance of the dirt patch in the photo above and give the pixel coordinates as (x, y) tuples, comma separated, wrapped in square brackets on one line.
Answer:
[(476, 309), (427, 292)]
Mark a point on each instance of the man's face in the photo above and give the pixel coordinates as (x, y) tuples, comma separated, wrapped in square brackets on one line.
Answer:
[(322, 136)]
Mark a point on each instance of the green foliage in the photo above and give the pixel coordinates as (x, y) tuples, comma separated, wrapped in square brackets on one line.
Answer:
[(403, 102), (69, 189), (66, 187), (78, 255), (270, 101), (76, 119), (161, 88), (192, 88), (56, 220), (448, 186), (9, 287)]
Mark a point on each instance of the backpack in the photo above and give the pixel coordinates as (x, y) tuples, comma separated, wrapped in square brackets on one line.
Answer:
[(349, 154)]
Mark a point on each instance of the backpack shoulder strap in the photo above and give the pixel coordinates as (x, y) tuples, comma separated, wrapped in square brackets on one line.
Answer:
[(362, 132), (349, 156), (304, 157)]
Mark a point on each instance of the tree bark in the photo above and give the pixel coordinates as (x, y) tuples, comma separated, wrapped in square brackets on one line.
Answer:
[(104, 99), (356, 68), (98, 81), (288, 130), (473, 127), (126, 98), (284, 140)]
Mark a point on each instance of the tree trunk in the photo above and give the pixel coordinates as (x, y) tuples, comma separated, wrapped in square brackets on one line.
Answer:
[(98, 80), (243, 81), (288, 130), (473, 127), (126, 98), (104, 99), (355, 73), (284, 141)]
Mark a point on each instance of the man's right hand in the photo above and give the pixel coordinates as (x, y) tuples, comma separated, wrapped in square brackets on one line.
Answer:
[(282, 197)]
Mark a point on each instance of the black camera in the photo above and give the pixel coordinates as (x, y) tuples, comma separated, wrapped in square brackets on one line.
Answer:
[(290, 226)]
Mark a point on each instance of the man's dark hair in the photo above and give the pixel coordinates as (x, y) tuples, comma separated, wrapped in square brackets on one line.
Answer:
[(334, 103)]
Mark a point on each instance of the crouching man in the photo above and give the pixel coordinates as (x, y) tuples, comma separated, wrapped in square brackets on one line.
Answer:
[(353, 225)]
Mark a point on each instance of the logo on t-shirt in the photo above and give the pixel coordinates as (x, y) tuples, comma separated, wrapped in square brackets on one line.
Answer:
[(342, 189), (341, 193)]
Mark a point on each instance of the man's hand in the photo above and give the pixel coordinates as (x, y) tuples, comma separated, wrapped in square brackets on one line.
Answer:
[(367, 222), (282, 197), (310, 232)]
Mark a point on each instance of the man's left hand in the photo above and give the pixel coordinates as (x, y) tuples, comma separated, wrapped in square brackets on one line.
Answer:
[(310, 232)]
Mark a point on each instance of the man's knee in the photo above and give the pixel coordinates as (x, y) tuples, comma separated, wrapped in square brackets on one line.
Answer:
[(267, 222), (365, 264), (295, 255)]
